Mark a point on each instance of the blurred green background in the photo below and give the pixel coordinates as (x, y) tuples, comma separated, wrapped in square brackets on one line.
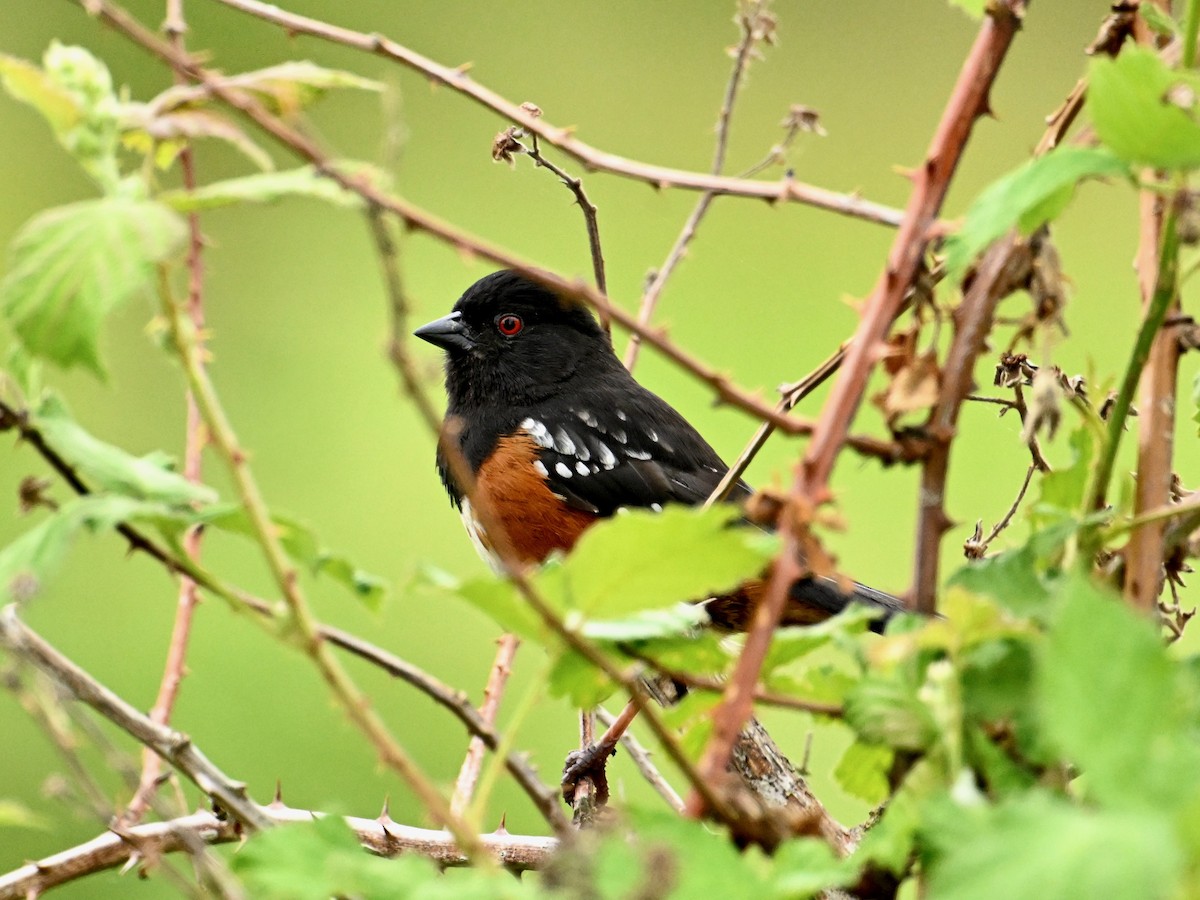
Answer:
[(298, 321)]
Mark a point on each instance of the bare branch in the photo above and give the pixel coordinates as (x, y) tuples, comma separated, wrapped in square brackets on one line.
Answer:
[(468, 773)]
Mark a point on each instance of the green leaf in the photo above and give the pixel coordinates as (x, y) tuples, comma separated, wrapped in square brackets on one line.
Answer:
[(1010, 577), (1145, 111), (863, 771), (1107, 697), (682, 618), (494, 597), (702, 653), (29, 560), (24, 81), (303, 546), (578, 680), (267, 187), (1001, 773), (291, 86), (322, 858), (807, 866), (17, 815), (1037, 846), (884, 710), (110, 468), (148, 130), (640, 560), (72, 265), (792, 643), (1159, 21), (1027, 198)]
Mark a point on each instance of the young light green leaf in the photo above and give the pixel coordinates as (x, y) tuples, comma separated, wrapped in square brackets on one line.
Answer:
[(267, 187), (579, 681), (492, 596), (884, 710), (863, 769), (289, 87), (147, 130), (1145, 111), (303, 546), (24, 81), (1027, 198), (110, 468), (1010, 577), (72, 265), (643, 560), (1105, 672), (92, 140), (32, 558), (1039, 846), (647, 624)]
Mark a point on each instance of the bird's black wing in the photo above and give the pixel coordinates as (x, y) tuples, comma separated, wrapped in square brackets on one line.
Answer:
[(638, 452)]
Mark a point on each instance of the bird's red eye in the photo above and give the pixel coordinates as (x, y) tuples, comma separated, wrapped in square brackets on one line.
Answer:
[(509, 325)]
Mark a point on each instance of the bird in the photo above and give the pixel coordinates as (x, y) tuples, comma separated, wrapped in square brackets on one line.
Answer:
[(557, 435)]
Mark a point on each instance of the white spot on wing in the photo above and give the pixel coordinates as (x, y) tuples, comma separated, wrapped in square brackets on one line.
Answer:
[(563, 443), (540, 468), (587, 418), (581, 467), (620, 415), (652, 434), (636, 454), (619, 435), (561, 469), (582, 452), (605, 456), (539, 432), (657, 507)]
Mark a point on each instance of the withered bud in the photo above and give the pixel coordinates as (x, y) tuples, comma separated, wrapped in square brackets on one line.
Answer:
[(804, 118), (532, 108), (974, 547), (1013, 370), (1045, 406), (505, 145)]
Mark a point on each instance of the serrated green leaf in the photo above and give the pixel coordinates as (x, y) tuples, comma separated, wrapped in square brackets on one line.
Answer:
[(70, 266), (1037, 846), (1105, 673), (643, 560), (268, 187), (703, 653), (27, 562), (795, 642), (24, 81), (111, 469), (1145, 111), (304, 547), (863, 771), (1011, 577), (1001, 773), (495, 598), (1027, 197), (648, 624)]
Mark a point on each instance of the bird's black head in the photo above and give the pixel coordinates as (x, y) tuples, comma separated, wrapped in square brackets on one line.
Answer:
[(511, 341)]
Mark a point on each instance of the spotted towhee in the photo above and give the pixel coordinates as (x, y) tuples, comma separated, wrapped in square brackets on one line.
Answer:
[(558, 434)]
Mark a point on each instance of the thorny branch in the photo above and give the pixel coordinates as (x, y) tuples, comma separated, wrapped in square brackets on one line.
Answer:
[(493, 691), (123, 846), (967, 102)]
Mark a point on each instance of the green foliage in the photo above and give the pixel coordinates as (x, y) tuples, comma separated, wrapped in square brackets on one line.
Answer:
[(28, 561), (265, 187), (320, 859), (110, 469), (303, 546), (1144, 111), (17, 815), (71, 266), (1027, 198)]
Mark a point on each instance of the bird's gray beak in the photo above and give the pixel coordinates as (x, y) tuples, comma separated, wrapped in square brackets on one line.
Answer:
[(448, 332)]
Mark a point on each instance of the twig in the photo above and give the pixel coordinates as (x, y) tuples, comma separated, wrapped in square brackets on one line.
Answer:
[(977, 546), (659, 177), (1003, 268), (453, 700), (792, 394), (417, 218), (575, 186), (398, 343), (468, 773), (1144, 554), (175, 26), (587, 797), (173, 746), (751, 22), (967, 102), (641, 760), (299, 617), (382, 837)]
